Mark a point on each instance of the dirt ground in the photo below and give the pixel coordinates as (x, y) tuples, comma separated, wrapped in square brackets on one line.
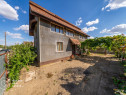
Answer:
[(87, 75)]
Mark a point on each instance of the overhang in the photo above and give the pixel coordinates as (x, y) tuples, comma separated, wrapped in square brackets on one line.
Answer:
[(75, 41)]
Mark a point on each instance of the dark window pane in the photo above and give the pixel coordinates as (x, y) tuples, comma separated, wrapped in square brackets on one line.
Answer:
[(67, 33), (57, 29), (61, 30), (53, 28)]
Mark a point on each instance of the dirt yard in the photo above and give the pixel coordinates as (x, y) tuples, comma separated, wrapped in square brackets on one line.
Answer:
[(87, 75)]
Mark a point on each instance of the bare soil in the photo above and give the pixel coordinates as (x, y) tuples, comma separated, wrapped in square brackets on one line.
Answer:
[(87, 75)]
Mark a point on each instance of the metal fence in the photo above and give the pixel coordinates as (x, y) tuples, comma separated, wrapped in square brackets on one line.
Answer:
[(3, 71)]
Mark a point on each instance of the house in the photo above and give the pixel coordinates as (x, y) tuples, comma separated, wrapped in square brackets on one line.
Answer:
[(0, 49), (54, 38)]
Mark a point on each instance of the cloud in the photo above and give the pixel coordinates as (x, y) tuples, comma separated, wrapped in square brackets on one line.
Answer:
[(116, 30), (79, 21), (115, 4), (17, 7), (86, 30), (91, 37), (92, 22), (14, 35), (24, 11), (23, 27), (8, 11)]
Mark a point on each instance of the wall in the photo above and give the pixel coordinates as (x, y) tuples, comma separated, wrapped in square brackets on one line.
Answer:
[(48, 42)]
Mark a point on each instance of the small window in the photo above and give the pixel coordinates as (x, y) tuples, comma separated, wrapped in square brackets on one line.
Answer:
[(57, 29), (71, 34), (80, 37), (83, 37), (61, 30), (59, 46), (53, 28), (67, 33)]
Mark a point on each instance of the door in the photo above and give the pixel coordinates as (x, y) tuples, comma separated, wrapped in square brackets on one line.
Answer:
[(73, 49)]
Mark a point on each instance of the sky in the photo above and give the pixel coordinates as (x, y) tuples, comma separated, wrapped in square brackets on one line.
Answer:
[(97, 18)]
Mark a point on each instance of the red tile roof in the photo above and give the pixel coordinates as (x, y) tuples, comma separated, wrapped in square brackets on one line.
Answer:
[(35, 8), (75, 41)]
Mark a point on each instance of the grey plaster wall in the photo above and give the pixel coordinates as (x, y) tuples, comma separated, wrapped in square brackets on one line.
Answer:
[(48, 43)]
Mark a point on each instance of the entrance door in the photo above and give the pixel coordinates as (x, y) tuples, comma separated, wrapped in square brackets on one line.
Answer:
[(73, 49)]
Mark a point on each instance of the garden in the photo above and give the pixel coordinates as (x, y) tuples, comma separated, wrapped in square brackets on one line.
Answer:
[(116, 45), (90, 69)]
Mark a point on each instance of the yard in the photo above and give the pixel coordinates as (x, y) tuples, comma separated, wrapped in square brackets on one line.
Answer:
[(87, 75)]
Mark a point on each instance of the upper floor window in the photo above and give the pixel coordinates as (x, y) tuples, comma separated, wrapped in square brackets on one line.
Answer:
[(57, 29), (81, 37), (53, 28), (71, 34), (68, 33), (61, 30)]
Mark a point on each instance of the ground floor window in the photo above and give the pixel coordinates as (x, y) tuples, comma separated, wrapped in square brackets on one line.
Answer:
[(59, 46)]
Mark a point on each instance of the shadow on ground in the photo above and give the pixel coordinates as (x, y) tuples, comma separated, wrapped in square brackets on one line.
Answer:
[(96, 80)]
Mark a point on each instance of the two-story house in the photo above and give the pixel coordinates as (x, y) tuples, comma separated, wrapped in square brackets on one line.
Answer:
[(55, 38)]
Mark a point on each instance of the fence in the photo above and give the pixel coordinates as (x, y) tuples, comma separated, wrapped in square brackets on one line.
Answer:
[(3, 71)]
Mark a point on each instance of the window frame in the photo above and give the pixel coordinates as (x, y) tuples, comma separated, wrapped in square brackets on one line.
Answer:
[(54, 27), (58, 50), (62, 30), (57, 27)]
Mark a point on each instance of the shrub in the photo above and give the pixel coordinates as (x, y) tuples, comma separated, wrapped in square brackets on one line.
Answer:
[(19, 57)]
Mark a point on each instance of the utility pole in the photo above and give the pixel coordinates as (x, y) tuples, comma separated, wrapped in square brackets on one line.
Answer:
[(5, 40)]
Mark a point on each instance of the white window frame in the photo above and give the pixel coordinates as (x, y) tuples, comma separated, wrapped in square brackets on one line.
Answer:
[(57, 46)]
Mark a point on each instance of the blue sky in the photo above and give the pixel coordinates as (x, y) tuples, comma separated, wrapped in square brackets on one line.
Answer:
[(97, 18)]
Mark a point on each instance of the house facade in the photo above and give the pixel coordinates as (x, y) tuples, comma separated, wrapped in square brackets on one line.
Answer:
[(54, 38)]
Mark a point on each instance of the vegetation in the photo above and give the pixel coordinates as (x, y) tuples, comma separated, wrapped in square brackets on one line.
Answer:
[(117, 44), (114, 44), (1, 46), (19, 57)]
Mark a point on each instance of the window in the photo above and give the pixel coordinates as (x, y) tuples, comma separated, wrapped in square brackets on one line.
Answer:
[(57, 29), (59, 46), (53, 28), (80, 37), (71, 34), (84, 38), (61, 30), (67, 33)]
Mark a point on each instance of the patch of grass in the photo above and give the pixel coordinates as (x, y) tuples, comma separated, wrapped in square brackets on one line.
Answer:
[(49, 75)]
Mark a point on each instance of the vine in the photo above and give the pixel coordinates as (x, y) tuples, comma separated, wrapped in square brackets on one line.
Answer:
[(19, 57)]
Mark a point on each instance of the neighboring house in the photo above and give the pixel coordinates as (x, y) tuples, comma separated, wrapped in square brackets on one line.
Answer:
[(0, 49), (55, 38)]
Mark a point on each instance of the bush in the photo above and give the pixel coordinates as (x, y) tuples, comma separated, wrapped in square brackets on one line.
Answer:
[(19, 57)]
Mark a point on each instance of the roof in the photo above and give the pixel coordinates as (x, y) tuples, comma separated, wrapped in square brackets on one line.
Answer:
[(35, 8), (75, 41)]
